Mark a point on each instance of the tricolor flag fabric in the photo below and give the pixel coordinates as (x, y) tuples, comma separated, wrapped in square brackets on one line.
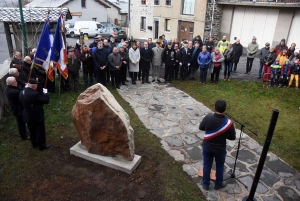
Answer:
[(222, 129), (42, 55), (58, 55)]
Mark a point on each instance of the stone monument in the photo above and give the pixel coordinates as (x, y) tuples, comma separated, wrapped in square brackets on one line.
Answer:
[(104, 130)]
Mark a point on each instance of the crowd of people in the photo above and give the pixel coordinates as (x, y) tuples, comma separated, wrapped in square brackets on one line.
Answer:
[(111, 62)]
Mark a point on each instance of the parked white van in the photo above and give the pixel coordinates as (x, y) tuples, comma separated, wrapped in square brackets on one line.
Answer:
[(89, 28)]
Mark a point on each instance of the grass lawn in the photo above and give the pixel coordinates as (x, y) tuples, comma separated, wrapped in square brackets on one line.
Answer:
[(54, 174), (251, 103)]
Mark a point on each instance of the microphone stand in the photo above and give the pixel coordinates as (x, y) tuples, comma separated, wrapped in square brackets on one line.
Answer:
[(238, 149)]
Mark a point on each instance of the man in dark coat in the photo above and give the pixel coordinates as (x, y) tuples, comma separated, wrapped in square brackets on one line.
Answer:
[(145, 62), (280, 47), (263, 52), (194, 60), (96, 40), (112, 43), (169, 58), (176, 68), (115, 63), (15, 73), (87, 67), (184, 60), (124, 66), (108, 50), (237, 53), (150, 43), (33, 113), (73, 69), (210, 45), (199, 41), (12, 94), (16, 62), (100, 63)]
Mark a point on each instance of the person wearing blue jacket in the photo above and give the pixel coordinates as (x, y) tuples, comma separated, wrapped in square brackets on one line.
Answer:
[(100, 63), (204, 60)]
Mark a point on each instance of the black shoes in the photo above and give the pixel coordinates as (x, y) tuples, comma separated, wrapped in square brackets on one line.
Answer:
[(44, 146), (118, 87), (148, 82), (223, 185), (124, 84), (143, 82)]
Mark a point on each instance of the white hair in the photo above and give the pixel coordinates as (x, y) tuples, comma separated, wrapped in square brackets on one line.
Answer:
[(27, 58), (12, 71), (16, 53), (10, 81), (33, 50)]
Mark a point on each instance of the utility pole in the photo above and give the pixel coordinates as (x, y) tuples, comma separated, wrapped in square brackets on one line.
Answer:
[(23, 29), (129, 22)]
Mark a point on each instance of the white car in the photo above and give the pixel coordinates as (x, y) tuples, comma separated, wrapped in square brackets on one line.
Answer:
[(88, 28), (70, 30)]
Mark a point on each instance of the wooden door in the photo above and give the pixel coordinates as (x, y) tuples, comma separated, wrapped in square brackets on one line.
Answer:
[(186, 30)]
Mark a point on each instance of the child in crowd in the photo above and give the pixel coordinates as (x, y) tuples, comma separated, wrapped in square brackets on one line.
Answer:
[(275, 69), (295, 71), (285, 74), (282, 57)]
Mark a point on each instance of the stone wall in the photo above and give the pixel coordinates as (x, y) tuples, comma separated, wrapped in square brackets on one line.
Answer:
[(216, 23), (3, 75)]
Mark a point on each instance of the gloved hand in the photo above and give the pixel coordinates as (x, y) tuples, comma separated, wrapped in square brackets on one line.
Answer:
[(45, 90), (180, 64), (189, 64)]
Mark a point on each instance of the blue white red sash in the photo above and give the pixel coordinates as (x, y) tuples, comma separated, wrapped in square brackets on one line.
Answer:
[(222, 129)]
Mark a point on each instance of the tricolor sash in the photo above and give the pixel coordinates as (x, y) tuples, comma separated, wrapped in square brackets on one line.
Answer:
[(222, 129)]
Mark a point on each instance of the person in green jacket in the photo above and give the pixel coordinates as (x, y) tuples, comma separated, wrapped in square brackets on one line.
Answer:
[(251, 53)]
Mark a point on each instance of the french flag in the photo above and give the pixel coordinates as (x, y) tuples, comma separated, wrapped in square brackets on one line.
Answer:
[(58, 55), (42, 55)]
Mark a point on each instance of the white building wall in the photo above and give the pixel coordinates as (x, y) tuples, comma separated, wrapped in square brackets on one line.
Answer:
[(93, 10), (294, 36), (137, 10), (112, 14)]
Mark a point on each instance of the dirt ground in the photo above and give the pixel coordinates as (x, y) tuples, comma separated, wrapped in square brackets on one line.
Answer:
[(71, 178)]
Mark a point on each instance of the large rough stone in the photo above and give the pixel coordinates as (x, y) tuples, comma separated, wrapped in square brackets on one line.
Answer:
[(102, 124), (288, 194)]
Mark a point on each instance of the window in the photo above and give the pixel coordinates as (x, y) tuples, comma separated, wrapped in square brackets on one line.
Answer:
[(168, 2), (143, 2), (188, 7), (143, 23), (83, 3), (191, 29), (156, 2), (168, 25)]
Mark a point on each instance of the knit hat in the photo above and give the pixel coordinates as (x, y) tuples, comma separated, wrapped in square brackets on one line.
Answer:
[(277, 59), (267, 44), (282, 40), (287, 61), (254, 38)]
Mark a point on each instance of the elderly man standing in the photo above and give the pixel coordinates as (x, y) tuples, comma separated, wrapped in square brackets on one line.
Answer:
[(184, 60), (115, 62), (169, 59), (237, 50), (87, 66), (263, 53), (146, 58), (156, 62), (12, 93), (73, 69), (125, 59), (20, 81), (251, 53), (32, 53), (16, 62), (33, 114)]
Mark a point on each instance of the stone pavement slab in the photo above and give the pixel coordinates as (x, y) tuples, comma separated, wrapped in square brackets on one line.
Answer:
[(174, 117)]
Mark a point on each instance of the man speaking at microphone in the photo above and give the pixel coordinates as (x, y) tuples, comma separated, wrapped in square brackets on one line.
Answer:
[(217, 129)]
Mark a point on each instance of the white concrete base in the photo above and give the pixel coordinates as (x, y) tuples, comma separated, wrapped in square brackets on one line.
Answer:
[(112, 162)]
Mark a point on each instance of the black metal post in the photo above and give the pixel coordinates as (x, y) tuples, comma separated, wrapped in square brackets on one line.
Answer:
[(263, 156)]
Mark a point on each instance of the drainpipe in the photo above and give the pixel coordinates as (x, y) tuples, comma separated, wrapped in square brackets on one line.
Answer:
[(212, 18)]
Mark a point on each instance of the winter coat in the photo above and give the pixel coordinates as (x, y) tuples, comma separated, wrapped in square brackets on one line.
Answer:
[(169, 57), (228, 55), (194, 58), (100, 59), (263, 52), (295, 70), (293, 58), (151, 46), (213, 57), (12, 95), (210, 45), (134, 56), (73, 65), (157, 56), (112, 45), (146, 57), (124, 57), (87, 62), (279, 48), (114, 60), (285, 70), (269, 58), (291, 52), (252, 50), (282, 59), (185, 56), (204, 59), (107, 49), (237, 52), (222, 45), (199, 41)]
